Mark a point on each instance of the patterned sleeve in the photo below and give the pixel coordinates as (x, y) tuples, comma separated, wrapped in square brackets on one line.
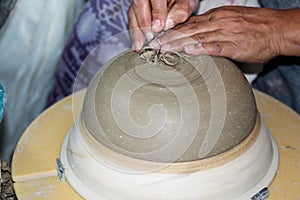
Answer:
[(98, 21)]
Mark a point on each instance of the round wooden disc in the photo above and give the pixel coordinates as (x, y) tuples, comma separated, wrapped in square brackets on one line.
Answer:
[(34, 160)]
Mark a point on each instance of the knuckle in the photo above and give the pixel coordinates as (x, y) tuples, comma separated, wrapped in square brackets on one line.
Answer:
[(130, 11), (193, 19), (191, 28), (221, 13), (183, 14), (158, 12), (194, 4), (135, 2), (200, 38), (217, 49)]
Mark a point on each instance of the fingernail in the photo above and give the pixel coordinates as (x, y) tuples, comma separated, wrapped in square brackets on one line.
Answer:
[(149, 36), (193, 48), (169, 23), (166, 47), (137, 46), (156, 25), (189, 48)]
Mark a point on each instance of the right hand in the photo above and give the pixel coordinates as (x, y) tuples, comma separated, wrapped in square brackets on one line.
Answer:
[(245, 34), (148, 17)]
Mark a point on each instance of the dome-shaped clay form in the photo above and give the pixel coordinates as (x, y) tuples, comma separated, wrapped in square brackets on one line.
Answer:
[(198, 108)]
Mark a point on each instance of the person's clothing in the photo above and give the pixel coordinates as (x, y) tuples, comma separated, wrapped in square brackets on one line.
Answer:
[(31, 41), (2, 102), (280, 4), (6, 7), (281, 79), (99, 20), (206, 5), (281, 76)]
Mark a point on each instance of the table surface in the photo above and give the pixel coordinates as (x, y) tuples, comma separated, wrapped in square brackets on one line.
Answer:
[(34, 160)]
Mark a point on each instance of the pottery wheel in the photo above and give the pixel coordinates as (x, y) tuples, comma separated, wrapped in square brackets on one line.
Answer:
[(34, 170)]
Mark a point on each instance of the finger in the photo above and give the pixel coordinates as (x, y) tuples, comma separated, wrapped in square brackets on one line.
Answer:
[(188, 30), (213, 36), (137, 36), (171, 35), (180, 12), (207, 37), (143, 16), (138, 39), (159, 14), (199, 18), (224, 49), (195, 49), (232, 51), (178, 45)]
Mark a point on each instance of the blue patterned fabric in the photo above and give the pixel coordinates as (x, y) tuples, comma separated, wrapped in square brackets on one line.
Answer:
[(99, 20), (281, 80), (2, 102), (280, 4)]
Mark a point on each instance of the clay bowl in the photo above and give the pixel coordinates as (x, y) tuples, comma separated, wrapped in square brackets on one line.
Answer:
[(172, 127)]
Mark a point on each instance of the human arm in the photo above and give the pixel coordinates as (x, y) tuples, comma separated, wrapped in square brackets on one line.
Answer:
[(253, 35), (148, 17)]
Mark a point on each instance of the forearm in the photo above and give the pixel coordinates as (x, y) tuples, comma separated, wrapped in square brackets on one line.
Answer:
[(290, 24)]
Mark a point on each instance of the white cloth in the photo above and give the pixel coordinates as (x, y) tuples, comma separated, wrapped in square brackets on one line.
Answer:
[(31, 42), (206, 5)]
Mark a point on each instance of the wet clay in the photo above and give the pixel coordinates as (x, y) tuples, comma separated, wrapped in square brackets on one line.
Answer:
[(169, 111)]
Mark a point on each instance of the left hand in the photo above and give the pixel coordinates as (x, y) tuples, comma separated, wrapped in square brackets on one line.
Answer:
[(244, 34), (149, 17)]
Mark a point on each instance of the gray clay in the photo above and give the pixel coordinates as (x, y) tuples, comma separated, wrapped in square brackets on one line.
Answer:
[(196, 108)]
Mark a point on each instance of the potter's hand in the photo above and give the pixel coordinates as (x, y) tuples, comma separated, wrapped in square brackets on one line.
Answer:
[(147, 17), (240, 33)]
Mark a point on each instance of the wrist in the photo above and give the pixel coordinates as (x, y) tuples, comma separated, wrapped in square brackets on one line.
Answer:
[(289, 44)]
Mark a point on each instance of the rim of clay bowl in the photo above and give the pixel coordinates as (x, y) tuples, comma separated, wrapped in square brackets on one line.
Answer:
[(99, 150), (255, 181)]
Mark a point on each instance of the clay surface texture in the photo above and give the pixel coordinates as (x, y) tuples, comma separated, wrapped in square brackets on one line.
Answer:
[(196, 108)]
